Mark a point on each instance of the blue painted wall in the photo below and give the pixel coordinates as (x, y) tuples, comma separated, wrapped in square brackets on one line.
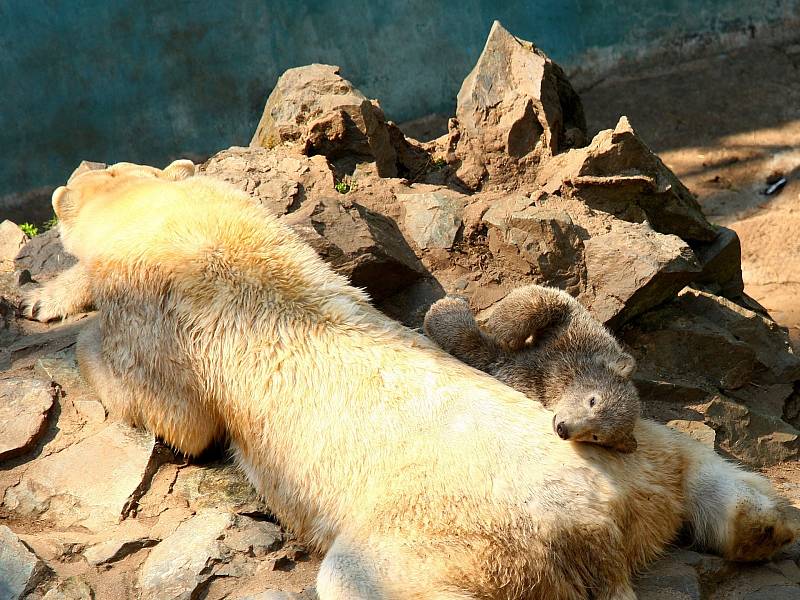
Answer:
[(147, 80)]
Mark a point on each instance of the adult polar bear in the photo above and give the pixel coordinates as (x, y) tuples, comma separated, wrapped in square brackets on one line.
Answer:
[(419, 476)]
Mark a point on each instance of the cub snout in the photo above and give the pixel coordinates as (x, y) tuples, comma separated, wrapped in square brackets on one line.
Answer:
[(560, 427)]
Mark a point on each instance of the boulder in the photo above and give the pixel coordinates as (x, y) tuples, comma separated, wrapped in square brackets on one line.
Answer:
[(362, 245), (669, 579), (633, 268), (218, 485), (721, 260), (280, 179), (322, 113), (617, 173), (70, 589), (24, 406), (12, 239), (20, 569), (515, 108)]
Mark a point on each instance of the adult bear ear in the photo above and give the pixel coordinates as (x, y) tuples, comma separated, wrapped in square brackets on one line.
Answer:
[(526, 313), (179, 169), (65, 203), (624, 365)]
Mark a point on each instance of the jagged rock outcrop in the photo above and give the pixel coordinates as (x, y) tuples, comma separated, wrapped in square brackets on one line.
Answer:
[(514, 109)]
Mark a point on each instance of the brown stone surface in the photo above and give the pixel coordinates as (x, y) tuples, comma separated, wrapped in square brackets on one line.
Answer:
[(320, 111), (24, 405), (87, 484), (280, 180)]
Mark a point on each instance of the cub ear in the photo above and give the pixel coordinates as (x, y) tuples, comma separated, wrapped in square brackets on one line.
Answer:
[(64, 203), (624, 366), (179, 169), (625, 444)]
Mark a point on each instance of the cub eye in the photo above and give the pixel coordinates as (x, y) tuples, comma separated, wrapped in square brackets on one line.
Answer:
[(592, 401)]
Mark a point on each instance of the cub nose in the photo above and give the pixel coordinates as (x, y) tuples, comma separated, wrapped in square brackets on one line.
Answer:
[(562, 431)]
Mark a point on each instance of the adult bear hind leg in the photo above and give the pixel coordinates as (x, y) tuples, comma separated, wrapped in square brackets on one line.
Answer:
[(178, 418)]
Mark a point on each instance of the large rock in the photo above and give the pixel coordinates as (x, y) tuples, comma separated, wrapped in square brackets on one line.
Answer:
[(20, 569), (280, 179), (321, 112), (536, 241), (704, 355), (617, 173), (721, 260), (633, 268), (432, 220), (514, 108), (363, 245), (669, 579), (24, 406), (87, 484)]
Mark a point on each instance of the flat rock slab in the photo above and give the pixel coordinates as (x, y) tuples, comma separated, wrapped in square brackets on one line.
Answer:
[(24, 406), (179, 564), (88, 483), (20, 569)]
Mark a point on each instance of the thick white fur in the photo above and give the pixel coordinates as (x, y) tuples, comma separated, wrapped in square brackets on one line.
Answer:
[(419, 476)]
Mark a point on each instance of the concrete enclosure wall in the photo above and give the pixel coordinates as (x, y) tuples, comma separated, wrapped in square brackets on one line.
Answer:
[(146, 81)]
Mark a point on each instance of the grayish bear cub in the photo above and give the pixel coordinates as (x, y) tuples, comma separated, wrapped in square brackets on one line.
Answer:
[(543, 342)]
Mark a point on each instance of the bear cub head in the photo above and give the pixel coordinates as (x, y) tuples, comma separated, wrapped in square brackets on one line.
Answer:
[(545, 344)]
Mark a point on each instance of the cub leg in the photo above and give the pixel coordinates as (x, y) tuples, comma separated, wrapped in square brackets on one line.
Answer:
[(66, 294), (526, 312), (450, 323), (178, 418)]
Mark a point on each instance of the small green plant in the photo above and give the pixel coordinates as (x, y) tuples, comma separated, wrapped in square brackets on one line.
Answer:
[(29, 229), (439, 164), (347, 184)]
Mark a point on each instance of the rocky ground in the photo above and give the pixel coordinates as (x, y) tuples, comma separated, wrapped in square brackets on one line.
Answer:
[(517, 190)]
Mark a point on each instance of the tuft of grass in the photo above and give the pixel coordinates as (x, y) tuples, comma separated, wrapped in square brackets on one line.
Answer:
[(347, 184), (438, 164), (29, 229)]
